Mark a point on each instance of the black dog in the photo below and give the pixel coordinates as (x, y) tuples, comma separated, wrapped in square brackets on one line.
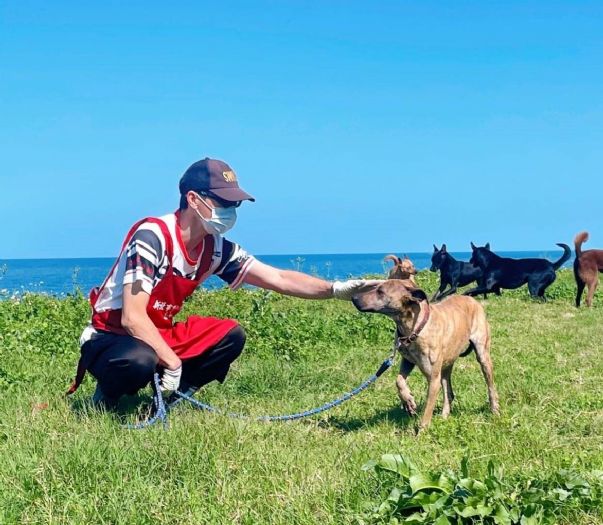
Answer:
[(453, 273), (503, 272)]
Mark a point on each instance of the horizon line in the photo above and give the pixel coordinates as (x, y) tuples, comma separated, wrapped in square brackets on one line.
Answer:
[(284, 254)]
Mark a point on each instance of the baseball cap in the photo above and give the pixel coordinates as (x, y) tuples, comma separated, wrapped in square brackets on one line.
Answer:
[(214, 176)]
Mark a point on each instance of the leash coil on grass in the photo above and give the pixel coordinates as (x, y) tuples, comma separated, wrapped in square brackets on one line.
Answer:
[(161, 409)]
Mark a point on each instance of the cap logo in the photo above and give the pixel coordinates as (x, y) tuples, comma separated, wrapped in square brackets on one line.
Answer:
[(229, 176)]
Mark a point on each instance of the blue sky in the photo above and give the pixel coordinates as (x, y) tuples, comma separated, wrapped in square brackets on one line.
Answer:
[(358, 126)]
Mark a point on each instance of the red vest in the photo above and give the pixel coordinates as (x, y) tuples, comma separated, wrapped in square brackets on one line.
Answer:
[(187, 339)]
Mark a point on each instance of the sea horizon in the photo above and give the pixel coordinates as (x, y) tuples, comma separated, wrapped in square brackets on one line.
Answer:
[(296, 254), (62, 276)]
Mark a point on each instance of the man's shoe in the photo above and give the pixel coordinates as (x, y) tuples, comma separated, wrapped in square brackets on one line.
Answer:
[(187, 389), (184, 388)]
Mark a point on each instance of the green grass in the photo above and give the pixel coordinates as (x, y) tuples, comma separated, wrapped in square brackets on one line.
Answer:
[(70, 464)]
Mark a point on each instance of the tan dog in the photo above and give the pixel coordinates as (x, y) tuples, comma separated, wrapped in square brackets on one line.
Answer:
[(402, 268), (432, 337), (587, 266)]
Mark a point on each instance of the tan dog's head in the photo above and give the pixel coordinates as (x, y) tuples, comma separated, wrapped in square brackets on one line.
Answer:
[(402, 269), (392, 298)]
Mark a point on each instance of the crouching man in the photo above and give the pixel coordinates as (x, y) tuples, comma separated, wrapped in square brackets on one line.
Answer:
[(162, 261)]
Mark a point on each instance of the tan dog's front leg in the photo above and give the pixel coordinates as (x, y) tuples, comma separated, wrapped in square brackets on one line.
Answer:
[(407, 402), (433, 389)]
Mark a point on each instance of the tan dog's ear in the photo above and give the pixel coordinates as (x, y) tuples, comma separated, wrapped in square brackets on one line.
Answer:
[(392, 258), (418, 295)]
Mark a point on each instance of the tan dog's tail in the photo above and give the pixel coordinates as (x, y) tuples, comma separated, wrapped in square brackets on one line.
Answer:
[(396, 260), (581, 238)]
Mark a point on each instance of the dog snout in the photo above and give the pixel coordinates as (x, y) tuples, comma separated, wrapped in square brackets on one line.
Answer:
[(360, 303)]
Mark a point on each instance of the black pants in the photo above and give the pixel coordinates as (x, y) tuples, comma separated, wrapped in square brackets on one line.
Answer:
[(123, 364)]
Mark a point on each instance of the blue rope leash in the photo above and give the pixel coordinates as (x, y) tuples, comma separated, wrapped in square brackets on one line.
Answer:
[(161, 409)]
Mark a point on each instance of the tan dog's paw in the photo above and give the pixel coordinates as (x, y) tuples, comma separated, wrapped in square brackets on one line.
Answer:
[(409, 406)]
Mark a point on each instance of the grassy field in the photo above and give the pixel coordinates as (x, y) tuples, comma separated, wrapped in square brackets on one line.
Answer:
[(67, 463)]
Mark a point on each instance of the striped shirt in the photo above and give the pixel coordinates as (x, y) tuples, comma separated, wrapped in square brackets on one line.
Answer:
[(145, 260)]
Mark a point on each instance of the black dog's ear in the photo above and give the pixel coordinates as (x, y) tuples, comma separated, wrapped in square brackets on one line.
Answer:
[(487, 246), (418, 295), (473, 246), (444, 248), (435, 248)]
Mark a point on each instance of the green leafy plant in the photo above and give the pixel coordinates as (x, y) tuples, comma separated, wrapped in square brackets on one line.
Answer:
[(414, 497)]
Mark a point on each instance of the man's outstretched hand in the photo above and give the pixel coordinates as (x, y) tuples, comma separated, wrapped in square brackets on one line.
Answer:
[(345, 290)]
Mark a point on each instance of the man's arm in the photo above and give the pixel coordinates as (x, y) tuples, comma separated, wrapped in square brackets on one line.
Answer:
[(288, 282), (303, 285), (136, 322)]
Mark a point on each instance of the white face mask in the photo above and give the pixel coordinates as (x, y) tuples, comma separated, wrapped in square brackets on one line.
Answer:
[(222, 219)]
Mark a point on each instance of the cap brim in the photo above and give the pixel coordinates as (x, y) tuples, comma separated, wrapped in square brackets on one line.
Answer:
[(232, 194)]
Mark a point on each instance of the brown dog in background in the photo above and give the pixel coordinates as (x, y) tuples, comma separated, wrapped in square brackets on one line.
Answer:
[(587, 266), (402, 268), (432, 337)]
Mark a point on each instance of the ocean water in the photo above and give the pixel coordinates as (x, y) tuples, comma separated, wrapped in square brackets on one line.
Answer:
[(63, 276)]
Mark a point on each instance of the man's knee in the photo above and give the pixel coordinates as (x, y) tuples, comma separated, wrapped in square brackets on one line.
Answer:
[(130, 370), (139, 357), (145, 362)]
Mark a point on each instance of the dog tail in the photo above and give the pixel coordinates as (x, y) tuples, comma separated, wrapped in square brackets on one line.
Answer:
[(394, 258), (581, 238), (469, 350), (567, 253)]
